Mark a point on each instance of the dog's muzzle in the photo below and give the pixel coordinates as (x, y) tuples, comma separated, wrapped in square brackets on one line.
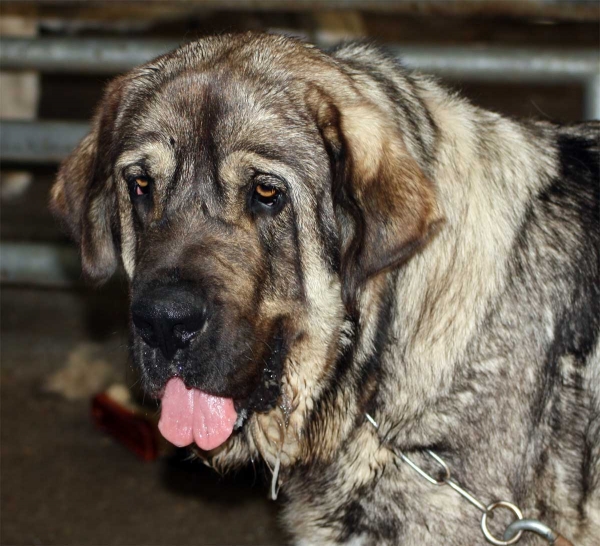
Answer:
[(169, 317), (201, 363)]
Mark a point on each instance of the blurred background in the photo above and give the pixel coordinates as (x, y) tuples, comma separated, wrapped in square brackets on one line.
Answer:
[(79, 468)]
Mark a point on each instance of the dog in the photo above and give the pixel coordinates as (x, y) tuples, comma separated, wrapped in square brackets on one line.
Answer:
[(319, 241)]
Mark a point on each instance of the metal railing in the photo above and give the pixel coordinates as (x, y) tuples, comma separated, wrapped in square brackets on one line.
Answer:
[(106, 56)]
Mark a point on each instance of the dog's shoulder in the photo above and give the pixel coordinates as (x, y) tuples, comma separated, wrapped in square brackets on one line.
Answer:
[(572, 196)]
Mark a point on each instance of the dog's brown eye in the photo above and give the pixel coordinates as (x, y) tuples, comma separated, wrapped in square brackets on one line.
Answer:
[(141, 185), (266, 192), (266, 198), (266, 195)]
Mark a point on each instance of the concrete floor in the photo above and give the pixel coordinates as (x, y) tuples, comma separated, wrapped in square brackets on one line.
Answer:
[(63, 482)]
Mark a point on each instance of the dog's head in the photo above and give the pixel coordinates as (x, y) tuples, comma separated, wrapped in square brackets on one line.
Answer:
[(253, 187)]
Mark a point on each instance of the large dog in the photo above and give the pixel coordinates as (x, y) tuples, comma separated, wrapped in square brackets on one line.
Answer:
[(311, 237)]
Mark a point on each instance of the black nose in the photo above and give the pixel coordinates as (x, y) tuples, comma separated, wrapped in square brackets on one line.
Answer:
[(169, 317)]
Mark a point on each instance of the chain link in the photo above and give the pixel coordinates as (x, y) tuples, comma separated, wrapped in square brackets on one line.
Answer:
[(513, 532)]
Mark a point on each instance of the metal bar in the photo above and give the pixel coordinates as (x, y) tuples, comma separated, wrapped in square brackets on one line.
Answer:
[(592, 98), (503, 64), (39, 141), (570, 10), (73, 55), (495, 64), (40, 264)]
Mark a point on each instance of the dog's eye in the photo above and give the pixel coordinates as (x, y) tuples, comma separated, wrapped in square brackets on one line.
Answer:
[(140, 185), (267, 195), (266, 198)]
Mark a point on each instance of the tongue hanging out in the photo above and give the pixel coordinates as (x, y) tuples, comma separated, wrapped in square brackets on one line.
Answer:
[(190, 415)]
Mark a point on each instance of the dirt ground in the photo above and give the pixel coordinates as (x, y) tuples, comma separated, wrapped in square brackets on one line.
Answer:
[(64, 482)]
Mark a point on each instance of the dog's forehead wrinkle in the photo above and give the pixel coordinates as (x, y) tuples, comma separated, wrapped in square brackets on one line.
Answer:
[(248, 121), (196, 95)]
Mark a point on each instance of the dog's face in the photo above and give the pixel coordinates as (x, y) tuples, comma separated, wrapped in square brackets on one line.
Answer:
[(252, 189)]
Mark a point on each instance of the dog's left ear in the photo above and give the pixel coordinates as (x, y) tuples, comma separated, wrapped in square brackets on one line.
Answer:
[(82, 198), (385, 205)]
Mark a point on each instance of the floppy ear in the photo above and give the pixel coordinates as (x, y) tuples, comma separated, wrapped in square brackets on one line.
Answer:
[(82, 197), (385, 206)]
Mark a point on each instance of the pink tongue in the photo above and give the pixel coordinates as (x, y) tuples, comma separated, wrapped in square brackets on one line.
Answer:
[(190, 415)]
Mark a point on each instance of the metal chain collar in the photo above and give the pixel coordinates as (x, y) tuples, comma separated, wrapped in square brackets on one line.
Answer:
[(513, 532)]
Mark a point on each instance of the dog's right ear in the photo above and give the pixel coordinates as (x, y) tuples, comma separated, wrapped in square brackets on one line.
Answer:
[(82, 197)]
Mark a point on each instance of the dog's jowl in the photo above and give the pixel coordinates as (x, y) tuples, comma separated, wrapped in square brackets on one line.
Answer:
[(310, 237)]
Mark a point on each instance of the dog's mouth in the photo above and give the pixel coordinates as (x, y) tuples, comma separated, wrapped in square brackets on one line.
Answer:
[(190, 415)]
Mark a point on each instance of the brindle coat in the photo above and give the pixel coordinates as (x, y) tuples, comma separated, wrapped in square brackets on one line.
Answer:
[(428, 262)]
